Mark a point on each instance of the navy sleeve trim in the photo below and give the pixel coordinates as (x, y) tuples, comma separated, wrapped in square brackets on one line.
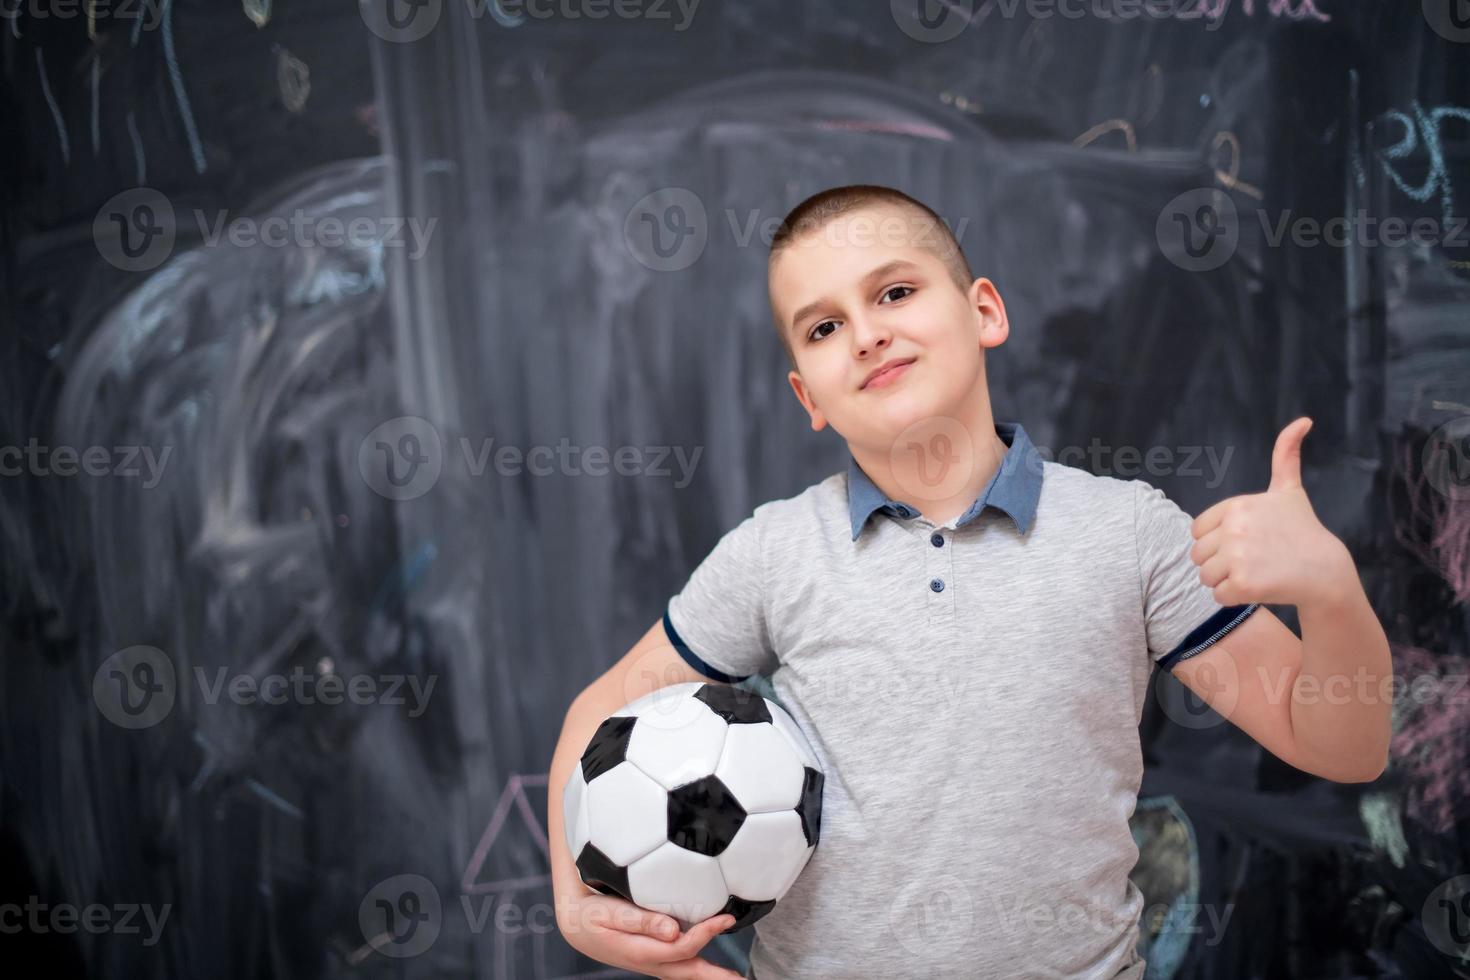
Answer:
[(1206, 633), (692, 660)]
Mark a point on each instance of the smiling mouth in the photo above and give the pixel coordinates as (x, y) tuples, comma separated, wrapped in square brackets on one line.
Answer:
[(889, 375)]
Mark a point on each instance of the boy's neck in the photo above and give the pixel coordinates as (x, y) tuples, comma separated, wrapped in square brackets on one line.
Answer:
[(920, 473)]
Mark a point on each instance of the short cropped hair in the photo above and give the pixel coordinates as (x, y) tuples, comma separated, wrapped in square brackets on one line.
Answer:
[(817, 211)]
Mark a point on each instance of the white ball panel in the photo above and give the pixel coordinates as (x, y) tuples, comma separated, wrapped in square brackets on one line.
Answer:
[(787, 726), (672, 708), (628, 813), (761, 768), (765, 856), (675, 754), (678, 882)]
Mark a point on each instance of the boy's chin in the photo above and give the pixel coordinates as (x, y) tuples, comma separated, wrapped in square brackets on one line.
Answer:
[(902, 415)]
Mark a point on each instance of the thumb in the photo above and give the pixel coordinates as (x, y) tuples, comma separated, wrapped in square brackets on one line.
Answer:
[(1286, 458)]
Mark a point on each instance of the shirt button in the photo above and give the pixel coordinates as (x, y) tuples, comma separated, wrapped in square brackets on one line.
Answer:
[(937, 584), (936, 539)]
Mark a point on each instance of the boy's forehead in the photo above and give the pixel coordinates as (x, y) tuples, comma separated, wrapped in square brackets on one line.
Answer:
[(843, 251)]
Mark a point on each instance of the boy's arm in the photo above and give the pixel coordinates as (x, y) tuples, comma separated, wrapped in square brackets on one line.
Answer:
[(1316, 703), (1322, 703)]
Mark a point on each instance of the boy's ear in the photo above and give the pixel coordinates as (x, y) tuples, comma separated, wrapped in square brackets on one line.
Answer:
[(819, 421), (985, 299)]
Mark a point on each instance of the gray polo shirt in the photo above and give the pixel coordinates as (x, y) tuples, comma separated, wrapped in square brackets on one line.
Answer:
[(973, 692)]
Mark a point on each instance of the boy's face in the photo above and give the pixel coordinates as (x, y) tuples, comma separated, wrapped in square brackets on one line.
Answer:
[(862, 291)]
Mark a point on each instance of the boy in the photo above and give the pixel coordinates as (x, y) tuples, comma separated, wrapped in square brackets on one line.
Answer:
[(960, 628)]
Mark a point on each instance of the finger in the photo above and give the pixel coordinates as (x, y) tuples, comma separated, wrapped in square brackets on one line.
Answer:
[(1204, 549), (659, 951), (701, 933), (632, 919), (1214, 571), (1286, 457), (695, 939), (1210, 519)]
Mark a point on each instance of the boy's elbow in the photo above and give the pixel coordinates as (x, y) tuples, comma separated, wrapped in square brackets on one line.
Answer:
[(1379, 767), (1357, 774)]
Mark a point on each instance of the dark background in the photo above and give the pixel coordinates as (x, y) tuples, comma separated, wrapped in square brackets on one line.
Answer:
[(538, 314)]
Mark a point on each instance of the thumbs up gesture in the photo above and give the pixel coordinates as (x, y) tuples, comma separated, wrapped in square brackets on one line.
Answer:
[(1270, 547)]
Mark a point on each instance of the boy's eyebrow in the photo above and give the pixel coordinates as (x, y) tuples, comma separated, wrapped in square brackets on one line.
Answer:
[(886, 269)]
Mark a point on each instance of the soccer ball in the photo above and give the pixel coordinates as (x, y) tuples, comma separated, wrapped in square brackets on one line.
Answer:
[(695, 800)]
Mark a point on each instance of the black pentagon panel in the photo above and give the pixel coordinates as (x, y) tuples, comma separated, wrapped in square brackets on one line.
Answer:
[(746, 913), (608, 746), (734, 704), (809, 808), (704, 816), (600, 873)]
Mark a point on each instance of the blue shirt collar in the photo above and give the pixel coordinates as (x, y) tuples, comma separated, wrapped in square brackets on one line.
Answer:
[(1014, 489)]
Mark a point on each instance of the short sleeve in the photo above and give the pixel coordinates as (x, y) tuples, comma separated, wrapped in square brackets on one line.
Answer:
[(717, 622), (1181, 616)]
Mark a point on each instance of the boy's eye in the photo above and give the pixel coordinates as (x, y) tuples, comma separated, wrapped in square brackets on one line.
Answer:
[(824, 323), (831, 323)]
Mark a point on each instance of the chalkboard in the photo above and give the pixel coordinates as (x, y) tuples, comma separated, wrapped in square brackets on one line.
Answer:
[(295, 294)]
